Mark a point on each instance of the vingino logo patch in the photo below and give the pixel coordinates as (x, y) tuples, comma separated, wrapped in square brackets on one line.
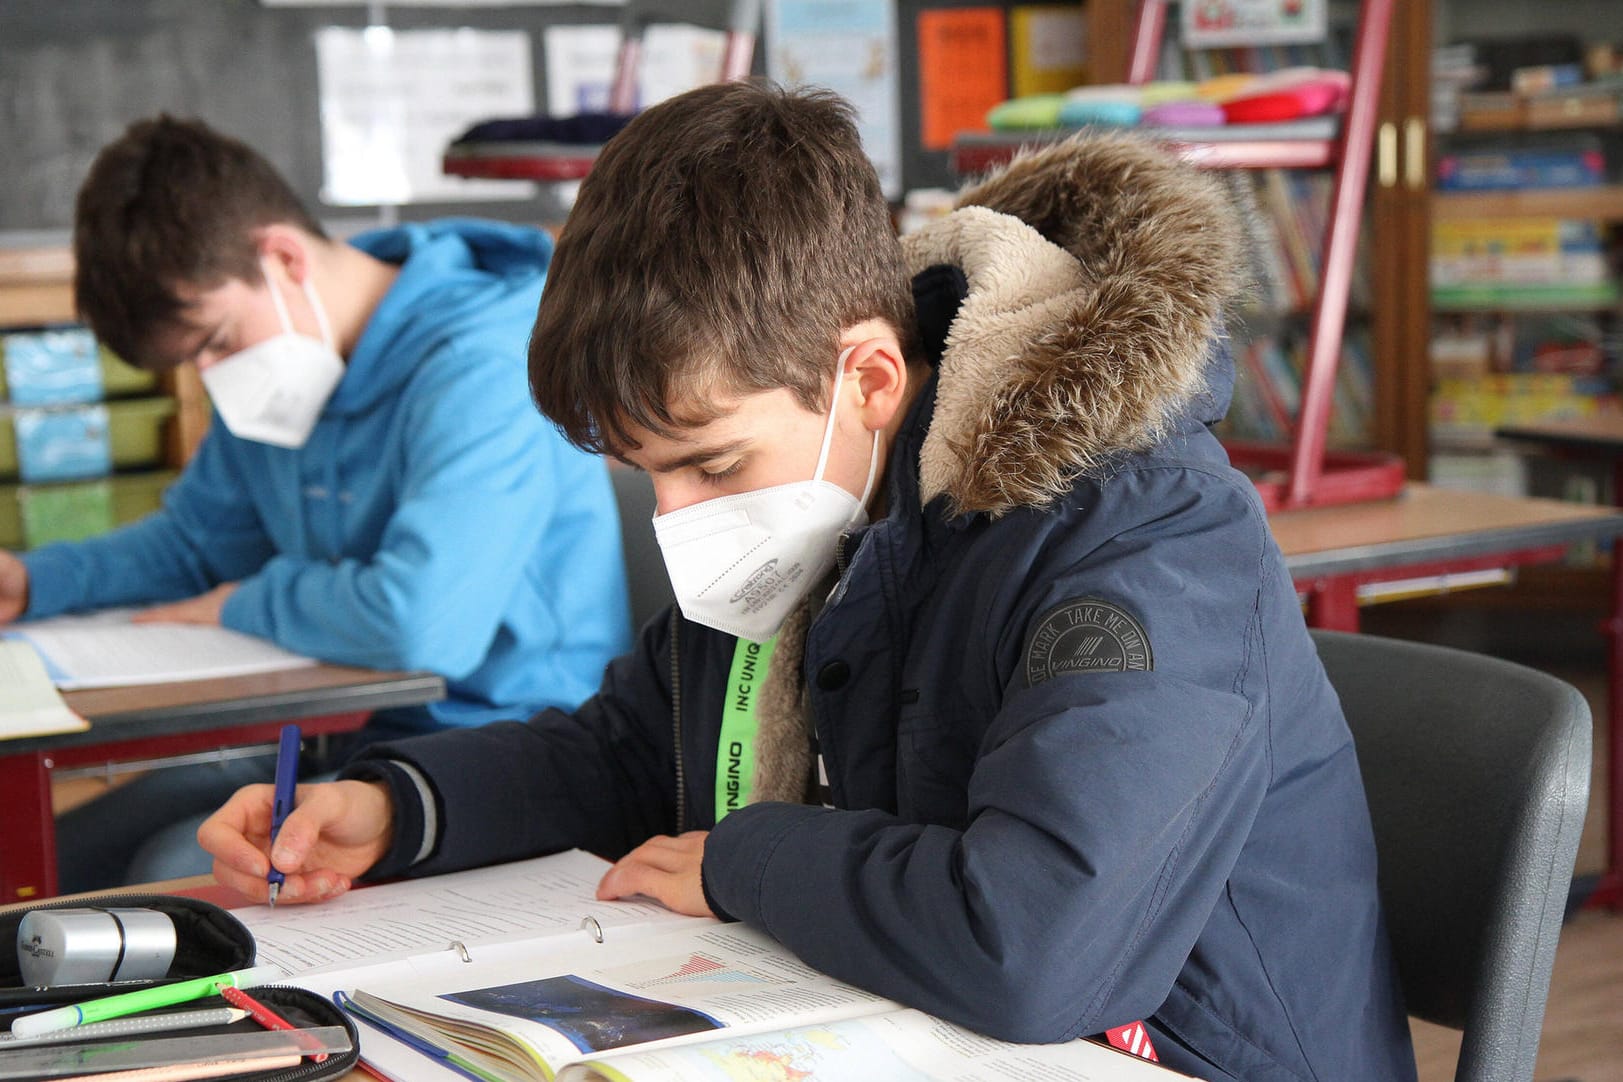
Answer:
[(1086, 635)]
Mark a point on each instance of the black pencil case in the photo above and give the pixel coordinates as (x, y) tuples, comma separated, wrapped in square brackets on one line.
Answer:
[(208, 940)]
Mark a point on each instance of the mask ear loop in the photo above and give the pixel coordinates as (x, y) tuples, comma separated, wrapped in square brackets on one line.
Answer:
[(309, 295), (828, 439), (834, 406), (321, 313), (276, 297)]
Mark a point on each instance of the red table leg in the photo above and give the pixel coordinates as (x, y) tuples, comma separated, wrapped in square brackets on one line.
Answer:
[(1332, 604), (28, 837)]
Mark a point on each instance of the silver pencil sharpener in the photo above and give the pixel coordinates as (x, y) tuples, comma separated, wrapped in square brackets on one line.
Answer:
[(91, 946)]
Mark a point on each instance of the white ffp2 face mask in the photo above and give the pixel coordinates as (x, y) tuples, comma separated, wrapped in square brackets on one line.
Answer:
[(274, 392), (740, 563)]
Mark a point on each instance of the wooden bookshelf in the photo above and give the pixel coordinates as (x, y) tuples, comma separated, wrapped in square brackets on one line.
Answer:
[(1598, 204), (36, 289), (36, 286)]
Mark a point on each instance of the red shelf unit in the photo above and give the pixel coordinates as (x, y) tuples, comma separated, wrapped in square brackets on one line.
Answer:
[(1303, 473)]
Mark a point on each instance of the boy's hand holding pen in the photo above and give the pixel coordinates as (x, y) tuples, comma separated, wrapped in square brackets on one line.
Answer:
[(287, 781)]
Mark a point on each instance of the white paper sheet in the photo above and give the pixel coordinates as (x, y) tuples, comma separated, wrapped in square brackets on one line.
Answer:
[(580, 64), (392, 99), (29, 705), (105, 649)]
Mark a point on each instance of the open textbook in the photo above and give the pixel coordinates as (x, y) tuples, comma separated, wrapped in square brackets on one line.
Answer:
[(517, 972), (104, 649)]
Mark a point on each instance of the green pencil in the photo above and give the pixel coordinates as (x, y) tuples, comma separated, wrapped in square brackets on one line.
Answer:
[(164, 995)]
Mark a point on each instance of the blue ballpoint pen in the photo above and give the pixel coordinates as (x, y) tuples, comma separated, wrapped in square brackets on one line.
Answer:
[(287, 780)]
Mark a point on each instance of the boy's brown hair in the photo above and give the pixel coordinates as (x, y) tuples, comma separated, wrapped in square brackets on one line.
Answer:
[(171, 204), (720, 244)]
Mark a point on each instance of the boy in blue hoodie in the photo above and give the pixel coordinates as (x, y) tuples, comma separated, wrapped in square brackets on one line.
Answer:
[(376, 488)]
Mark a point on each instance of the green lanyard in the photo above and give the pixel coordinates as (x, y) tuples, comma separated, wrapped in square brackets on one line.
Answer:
[(735, 756)]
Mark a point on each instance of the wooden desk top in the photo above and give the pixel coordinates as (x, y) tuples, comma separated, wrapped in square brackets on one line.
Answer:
[(1601, 432), (123, 713), (1424, 524)]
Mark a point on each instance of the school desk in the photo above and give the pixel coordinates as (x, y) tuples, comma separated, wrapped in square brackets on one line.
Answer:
[(1429, 533), (148, 722)]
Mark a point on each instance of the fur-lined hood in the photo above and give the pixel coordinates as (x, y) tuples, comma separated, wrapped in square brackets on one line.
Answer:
[(1096, 274), (1097, 270)]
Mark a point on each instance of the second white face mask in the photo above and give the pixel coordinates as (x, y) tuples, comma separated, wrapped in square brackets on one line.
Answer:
[(273, 392), (741, 563)]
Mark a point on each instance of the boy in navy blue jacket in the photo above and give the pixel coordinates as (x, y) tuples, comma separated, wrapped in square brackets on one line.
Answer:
[(987, 689), (375, 488)]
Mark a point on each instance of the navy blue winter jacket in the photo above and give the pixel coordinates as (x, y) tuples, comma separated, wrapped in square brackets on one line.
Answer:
[(1085, 763)]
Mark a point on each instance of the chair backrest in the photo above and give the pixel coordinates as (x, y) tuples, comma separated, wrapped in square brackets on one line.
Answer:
[(1477, 772), (649, 586), (740, 19)]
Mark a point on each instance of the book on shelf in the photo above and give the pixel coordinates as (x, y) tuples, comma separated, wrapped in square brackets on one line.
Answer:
[(1267, 391), (1517, 251), (518, 972), (1465, 412), (1525, 296), (1284, 215), (1577, 161)]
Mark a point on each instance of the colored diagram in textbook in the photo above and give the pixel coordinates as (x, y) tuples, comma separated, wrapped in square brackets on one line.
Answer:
[(592, 1017)]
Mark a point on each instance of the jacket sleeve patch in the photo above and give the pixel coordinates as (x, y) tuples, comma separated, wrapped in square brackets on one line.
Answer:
[(1086, 635)]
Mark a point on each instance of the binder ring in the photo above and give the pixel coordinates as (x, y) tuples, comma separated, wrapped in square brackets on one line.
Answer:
[(589, 924), (462, 951)]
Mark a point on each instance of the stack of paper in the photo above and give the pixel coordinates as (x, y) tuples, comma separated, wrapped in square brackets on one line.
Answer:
[(105, 649)]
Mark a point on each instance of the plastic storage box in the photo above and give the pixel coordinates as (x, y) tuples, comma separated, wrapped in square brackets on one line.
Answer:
[(135, 434), (131, 496)]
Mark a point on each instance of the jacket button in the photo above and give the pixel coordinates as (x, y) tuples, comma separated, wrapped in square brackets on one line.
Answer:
[(832, 677)]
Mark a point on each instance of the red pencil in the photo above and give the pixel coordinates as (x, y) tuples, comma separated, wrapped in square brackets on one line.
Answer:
[(260, 1013)]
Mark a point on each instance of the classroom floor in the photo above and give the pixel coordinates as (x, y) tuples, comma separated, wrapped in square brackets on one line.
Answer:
[(1583, 1021)]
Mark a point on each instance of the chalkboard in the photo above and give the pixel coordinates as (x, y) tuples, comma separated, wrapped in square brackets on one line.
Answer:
[(74, 73)]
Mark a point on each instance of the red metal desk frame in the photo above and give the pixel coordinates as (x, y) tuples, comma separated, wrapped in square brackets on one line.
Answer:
[(173, 719), (1331, 551)]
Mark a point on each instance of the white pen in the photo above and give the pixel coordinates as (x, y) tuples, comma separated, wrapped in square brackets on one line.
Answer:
[(138, 1023)]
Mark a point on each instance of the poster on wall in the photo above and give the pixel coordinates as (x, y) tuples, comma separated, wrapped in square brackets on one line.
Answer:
[(848, 46), (962, 71), (1210, 24), (580, 62), (391, 100)]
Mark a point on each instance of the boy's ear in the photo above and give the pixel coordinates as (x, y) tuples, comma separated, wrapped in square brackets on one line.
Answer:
[(878, 369), (287, 247)]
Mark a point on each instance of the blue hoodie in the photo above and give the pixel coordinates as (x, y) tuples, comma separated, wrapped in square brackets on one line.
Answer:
[(433, 521)]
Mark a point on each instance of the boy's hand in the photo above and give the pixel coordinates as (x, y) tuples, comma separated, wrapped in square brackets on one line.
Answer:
[(336, 831), (13, 587), (665, 869), (202, 609)]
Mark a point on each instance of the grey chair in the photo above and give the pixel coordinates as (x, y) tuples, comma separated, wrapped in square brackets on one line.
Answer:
[(1477, 772), (649, 586)]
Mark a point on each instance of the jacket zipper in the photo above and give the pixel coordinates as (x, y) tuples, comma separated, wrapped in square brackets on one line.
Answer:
[(676, 723)]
